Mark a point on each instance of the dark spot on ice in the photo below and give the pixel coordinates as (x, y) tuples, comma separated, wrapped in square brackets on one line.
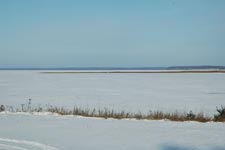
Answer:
[(216, 93), (175, 147)]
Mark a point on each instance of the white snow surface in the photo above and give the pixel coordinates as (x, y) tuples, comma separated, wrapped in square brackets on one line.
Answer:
[(132, 92), (53, 132)]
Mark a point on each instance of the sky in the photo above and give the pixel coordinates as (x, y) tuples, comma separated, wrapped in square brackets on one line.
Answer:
[(111, 33)]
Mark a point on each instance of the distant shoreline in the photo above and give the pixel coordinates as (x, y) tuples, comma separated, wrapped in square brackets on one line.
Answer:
[(81, 69), (138, 71)]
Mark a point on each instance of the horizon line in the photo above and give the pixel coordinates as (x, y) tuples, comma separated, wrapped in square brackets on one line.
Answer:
[(117, 68)]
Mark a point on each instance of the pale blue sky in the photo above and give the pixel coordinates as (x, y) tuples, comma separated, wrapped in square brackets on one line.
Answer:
[(111, 33)]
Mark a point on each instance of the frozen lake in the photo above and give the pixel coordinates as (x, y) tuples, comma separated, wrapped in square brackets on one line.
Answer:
[(132, 92)]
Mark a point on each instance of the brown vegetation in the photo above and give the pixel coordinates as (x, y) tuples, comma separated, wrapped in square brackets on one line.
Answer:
[(157, 115), (110, 113)]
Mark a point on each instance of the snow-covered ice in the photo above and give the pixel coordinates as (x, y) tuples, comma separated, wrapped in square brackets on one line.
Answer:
[(132, 92)]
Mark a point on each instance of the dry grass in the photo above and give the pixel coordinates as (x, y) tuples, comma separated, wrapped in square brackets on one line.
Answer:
[(110, 113)]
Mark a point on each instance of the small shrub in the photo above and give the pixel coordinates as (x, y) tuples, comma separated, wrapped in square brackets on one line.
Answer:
[(190, 116), (2, 108), (38, 109), (221, 114)]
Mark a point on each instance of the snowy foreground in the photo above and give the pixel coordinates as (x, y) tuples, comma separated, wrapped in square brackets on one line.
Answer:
[(53, 132)]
